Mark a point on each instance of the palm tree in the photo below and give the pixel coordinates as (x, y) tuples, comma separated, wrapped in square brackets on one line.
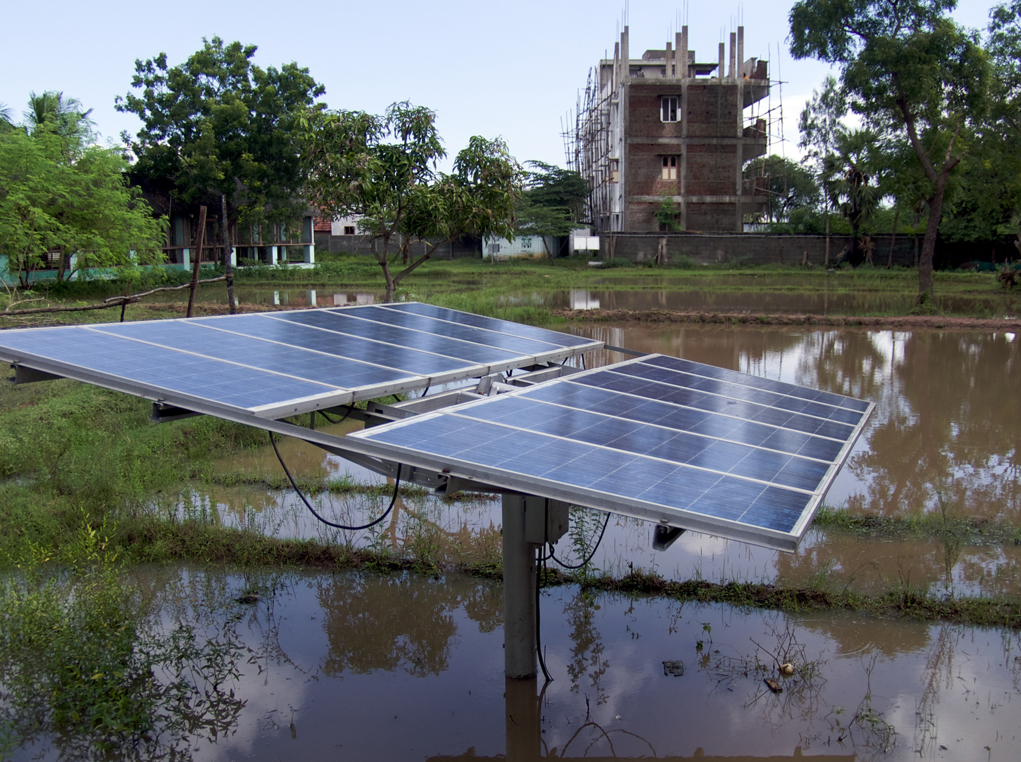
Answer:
[(851, 169), (6, 117), (65, 117)]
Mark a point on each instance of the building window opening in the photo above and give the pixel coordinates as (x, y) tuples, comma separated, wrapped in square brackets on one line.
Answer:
[(349, 230), (669, 171), (669, 108)]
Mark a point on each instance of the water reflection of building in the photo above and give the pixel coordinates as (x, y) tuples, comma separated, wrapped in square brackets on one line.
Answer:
[(583, 300)]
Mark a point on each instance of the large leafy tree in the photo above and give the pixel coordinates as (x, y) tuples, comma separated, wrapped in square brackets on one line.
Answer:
[(820, 126), (908, 68), (383, 168), (66, 200), (788, 186), (222, 131), (551, 202)]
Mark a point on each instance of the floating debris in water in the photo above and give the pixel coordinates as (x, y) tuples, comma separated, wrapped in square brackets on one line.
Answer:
[(673, 668)]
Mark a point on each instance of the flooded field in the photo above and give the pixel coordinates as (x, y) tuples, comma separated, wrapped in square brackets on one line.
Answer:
[(775, 302), (943, 443), (367, 665), (359, 666), (279, 297), (750, 296)]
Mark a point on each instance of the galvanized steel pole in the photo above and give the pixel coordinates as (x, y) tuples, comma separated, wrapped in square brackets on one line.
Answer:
[(519, 585)]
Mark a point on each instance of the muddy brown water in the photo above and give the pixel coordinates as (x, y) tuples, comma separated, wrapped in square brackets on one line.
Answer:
[(776, 301), (771, 299), (359, 666), (944, 435)]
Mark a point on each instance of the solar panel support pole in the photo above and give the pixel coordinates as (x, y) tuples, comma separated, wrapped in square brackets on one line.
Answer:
[(519, 586)]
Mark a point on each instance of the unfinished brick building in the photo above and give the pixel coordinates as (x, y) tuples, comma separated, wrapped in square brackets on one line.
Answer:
[(662, 140)]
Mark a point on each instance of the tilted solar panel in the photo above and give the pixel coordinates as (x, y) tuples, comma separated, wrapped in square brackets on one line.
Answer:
[(658, 438), (276, 364)]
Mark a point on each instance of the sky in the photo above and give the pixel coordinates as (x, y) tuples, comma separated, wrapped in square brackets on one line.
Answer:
[(496, 69)]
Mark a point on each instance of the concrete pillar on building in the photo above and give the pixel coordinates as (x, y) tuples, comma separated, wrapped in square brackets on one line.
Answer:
[(740, 51), (723, 55), (669, 62), (683, 47), (733, 55), (739, 95), (625, 54)]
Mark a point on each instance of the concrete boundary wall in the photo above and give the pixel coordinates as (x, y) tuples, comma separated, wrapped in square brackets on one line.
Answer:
[(761, 248), (362, 244)]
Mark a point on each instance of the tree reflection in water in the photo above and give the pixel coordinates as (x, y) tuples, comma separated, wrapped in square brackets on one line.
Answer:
[(395, 622), (586, 644)]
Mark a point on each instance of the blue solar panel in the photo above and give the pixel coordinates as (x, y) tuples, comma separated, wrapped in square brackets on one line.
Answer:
[(658, 438), (464, 334), (160, 369), (554, 338), (280, 363)]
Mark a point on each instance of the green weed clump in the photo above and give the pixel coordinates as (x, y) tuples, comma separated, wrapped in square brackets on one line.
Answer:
[(82, 665)]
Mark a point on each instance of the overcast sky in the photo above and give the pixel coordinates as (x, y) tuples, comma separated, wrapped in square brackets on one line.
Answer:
[(509, 69)]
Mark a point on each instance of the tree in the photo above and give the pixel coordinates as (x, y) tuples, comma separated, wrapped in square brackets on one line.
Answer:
[(384, 169), (850, 178), (1004, 124), (788, 186), (551, 201), (905, 67), (820, 125), (63, 116), (222, 131), (71, 205), (6, 118)]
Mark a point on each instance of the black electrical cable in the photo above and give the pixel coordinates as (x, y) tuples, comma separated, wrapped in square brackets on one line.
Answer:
[(330, 420), (590, 555), (393, 500)]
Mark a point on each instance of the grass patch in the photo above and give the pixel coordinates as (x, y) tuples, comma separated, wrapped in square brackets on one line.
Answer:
[(902, 603), (970, 531)]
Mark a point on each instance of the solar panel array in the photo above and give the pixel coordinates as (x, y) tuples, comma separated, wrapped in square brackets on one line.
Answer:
[(658, 438), (275, 364)]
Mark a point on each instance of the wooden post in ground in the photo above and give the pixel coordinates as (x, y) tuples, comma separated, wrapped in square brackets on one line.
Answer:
[(196, 262)]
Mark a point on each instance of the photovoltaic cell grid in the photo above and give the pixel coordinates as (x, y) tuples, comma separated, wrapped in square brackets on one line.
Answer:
[(281, 363), (657, 438)]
